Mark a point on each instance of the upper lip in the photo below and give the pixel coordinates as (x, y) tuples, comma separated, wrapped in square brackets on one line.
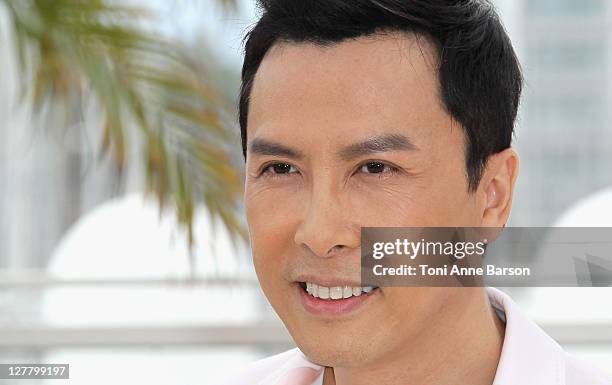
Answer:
[(328, 281)]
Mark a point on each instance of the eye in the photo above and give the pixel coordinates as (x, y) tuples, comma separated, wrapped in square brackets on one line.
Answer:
[(375, 167), (279, 169)]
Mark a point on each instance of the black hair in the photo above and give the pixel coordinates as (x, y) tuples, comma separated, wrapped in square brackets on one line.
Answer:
[(479, 74)]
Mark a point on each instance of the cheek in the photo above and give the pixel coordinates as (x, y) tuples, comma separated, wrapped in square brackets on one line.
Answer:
[(373, 203), (442, 199), (271, 208), (267, 250), (271, 216), (408, 202), (443, 205), (420, 305)]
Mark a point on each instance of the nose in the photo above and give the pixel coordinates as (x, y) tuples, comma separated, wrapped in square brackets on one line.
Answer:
[(327, 227)]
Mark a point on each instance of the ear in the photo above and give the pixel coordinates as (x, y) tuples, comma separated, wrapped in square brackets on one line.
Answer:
[(497, 187)]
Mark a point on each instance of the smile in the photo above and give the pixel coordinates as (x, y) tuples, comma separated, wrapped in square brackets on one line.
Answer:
[(335, 292), (334, 301)]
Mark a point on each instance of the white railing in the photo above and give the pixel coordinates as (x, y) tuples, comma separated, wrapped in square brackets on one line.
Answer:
[(264, 333)]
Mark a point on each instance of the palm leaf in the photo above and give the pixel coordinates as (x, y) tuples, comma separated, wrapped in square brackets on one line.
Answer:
[(143, 82)]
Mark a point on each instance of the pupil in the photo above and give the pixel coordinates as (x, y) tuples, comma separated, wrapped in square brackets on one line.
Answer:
[(281, 168), (375, 167)]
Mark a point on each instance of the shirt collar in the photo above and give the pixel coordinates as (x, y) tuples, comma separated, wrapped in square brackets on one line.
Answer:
[(298, 370), (528, 354)]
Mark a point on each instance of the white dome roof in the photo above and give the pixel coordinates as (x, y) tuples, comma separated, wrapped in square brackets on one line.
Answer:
[(128, 238), (593, 211), (576, 304)]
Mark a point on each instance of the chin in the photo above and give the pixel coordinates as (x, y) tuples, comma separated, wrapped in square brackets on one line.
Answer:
[(338, 358), (336, 351)]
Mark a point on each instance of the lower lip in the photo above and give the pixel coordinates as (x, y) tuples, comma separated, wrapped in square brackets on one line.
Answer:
[(333, 307)]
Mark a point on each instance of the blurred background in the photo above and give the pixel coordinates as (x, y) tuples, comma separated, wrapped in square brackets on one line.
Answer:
[(122, 243)]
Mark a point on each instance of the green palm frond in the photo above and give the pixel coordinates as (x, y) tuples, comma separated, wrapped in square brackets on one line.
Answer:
[(68, 48)]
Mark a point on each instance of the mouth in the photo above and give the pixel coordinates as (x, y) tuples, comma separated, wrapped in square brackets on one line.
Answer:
[(334, 300), (335, 292)]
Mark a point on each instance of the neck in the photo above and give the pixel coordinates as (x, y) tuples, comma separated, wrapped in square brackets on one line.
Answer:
[(459, 348)]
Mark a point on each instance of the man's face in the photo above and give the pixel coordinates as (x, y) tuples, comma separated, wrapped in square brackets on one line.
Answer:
[(350, 135)]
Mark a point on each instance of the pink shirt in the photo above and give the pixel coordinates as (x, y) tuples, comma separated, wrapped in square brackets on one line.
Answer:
[(529, 356)]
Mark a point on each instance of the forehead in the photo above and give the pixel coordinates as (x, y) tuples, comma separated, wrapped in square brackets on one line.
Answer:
[(381, 83)]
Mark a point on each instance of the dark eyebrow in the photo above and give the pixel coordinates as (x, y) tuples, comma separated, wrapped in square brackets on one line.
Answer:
[(381, 143), (266, 147)]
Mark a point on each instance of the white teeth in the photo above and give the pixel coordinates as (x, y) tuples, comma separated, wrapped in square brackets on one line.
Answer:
[(336, 292), (347, 292), (312, 289), (323, 292)]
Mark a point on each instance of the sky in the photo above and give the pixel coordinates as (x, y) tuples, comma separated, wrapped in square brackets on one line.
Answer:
[(191, 20)]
